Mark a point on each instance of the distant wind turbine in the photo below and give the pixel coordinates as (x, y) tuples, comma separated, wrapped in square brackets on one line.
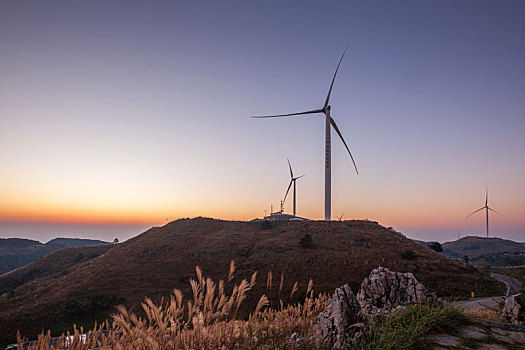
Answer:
[(487, 208), (293, 179), (329, 121)]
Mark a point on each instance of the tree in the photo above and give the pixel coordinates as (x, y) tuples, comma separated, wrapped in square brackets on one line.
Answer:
[(465, 259), (436, 246)]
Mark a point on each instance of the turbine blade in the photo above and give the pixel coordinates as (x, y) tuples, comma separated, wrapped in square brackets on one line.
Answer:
[(332, 121), (474, 212), (288, 190), (495, 211), (291, 172), (290, 114), (299, 177), (486, 196), (333, 79)]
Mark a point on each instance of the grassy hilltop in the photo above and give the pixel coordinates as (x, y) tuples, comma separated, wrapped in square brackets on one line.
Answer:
[(163, 258)]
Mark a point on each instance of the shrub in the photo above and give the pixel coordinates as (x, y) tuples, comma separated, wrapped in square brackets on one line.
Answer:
[(406, 329), (409, 255), (266, 225), (307, 240), (436, 246)]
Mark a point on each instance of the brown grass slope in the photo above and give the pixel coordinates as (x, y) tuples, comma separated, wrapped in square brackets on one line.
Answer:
[(58, 262), (163, 258), (18, 252)]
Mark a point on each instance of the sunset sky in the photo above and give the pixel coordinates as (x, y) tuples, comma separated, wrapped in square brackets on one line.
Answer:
[(119, 115)]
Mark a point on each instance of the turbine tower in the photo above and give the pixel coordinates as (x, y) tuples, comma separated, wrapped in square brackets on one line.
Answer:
[(329, 121), (293, 179), (487, 208)]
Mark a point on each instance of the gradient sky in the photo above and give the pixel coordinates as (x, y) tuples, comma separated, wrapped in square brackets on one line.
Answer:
[(119, 115)]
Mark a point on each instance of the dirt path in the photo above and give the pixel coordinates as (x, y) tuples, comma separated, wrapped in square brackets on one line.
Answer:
[(480, 304), (485, 334), (492, 303)]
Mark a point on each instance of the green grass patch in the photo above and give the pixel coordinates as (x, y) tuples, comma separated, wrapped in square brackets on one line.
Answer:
[(407, 329)]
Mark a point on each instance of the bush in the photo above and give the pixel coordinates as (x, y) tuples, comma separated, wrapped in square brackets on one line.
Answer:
[(307, 240), (266, 225), (409, 255), (436, 246), (406, 329)]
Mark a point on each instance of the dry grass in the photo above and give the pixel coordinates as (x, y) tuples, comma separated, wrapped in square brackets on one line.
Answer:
[(163, 258), (487, 314), (208, 321)]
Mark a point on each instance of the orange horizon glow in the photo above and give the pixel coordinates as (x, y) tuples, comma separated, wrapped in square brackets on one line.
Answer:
[(148, 218)]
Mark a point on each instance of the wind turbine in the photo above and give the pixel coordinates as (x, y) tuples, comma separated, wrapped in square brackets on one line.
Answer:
[(293, 179), (487, 208), (329, 121)]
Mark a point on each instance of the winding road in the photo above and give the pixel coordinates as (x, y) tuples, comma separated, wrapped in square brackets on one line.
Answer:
[(492, 303), (513, 285)]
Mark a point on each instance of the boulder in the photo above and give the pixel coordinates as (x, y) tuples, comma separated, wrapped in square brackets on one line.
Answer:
[(384, 291), (514, 309), (334, 326), (345, 318)]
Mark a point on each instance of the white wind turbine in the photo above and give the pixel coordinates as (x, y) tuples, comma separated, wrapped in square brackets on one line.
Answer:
[(487, 208), (293, 179), (329, 121)]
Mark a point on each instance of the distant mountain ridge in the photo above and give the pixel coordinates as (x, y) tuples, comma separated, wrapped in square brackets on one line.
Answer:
[(18, 252), (483, 251)]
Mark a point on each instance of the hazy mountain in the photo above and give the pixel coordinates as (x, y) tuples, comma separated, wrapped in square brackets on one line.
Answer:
[(482, 251), (17, 252), (474, 246), (163, 258)]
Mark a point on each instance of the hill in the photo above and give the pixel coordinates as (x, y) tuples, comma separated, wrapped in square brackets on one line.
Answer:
[(17, 252), (58, 262), (484, 251), (163, 258)]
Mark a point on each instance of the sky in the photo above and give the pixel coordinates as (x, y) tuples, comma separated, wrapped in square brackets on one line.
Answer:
[(116, 116)]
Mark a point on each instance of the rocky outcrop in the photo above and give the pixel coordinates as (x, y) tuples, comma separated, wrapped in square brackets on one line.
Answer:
[(333, 326), (381, 292), (514, 309), (384, 291)]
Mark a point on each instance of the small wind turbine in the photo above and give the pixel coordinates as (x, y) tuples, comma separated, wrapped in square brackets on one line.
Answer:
[(341, 217), (487, 208), (329, 121), (293, 179)]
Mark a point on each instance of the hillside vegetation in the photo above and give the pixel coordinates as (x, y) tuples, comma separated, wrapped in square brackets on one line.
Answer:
[(17, 252), (163, 258), (58, 262)]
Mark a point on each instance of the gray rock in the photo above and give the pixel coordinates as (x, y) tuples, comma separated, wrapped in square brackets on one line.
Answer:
[(446, 340), (473, 332), (491, 347), (334, 325), (509, 336), (385, 291), (514, 309)]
